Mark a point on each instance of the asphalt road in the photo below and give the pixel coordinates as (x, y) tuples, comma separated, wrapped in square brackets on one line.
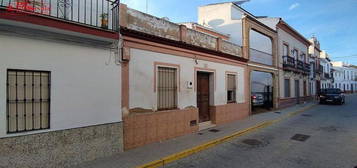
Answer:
[(332, 143)]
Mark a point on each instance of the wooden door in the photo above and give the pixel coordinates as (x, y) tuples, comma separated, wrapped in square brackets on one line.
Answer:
[(203, 96)]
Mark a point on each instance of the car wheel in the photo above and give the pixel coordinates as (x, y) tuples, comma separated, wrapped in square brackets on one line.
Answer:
[(320, 102)]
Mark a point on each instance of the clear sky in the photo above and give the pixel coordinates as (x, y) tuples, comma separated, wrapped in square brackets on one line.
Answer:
[(333, 22)]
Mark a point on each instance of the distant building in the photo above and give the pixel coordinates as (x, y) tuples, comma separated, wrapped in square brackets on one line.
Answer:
[(326, 75), (345, 77), (316, 69)]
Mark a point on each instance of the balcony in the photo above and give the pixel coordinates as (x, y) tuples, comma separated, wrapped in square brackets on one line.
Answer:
[(307, 68), (288, 62), (319, 70), (327, 76), (300, 65), (291, 64), (99, 14)]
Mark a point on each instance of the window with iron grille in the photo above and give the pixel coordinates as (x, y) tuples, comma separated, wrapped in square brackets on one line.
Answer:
[(167, 88), (287, 87), (231, 88), (28, 100)]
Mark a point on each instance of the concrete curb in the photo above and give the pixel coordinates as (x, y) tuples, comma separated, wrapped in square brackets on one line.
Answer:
[(191, 151)]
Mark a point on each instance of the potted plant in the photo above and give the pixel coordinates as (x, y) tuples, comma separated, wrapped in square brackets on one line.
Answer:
[(27, 5), (104, 20)]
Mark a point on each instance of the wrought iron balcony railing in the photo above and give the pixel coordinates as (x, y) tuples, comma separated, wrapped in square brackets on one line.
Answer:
[(307, 68), (319, 70), (103, 14), (328, 75), (300, 65), (288, 62)]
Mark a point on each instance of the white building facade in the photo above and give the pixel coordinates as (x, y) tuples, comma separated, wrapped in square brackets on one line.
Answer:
[(258, 40), (345, 77), (178, 79), (327, 75), (314, 59), (60, 91), (294, 65)]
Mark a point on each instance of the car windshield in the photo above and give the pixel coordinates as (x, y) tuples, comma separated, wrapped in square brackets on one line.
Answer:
[(331, 91)]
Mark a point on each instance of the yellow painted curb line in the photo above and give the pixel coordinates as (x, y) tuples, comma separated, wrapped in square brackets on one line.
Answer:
[(188, 152)]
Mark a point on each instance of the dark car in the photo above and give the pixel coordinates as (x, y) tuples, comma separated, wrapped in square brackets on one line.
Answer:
[(332, 95)]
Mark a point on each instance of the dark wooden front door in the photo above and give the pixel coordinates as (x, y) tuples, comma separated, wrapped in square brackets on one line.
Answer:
[(203, 96)]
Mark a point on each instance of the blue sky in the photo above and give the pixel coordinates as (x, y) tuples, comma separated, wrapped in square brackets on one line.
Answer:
[(333, 22)]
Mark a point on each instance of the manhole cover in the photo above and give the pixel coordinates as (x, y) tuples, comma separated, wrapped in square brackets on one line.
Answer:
[(300, 137), (213, 130), (252, 142), (306, 115), (277, 112)]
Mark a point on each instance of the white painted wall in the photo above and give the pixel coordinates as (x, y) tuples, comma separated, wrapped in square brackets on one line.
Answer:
[(302, 48), (84, 90), (315, 55), (270, 21), (292, 77), (344, 75), (141, 77), (224, 18), (227, 18), (293, 44)]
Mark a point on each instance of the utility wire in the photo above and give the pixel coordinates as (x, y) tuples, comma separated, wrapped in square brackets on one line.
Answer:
[(355, 55)]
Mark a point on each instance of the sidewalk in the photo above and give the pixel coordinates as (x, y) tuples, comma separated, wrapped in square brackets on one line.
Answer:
[(143, 155)]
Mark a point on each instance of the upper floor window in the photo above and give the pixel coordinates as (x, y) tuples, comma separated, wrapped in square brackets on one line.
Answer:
[(295, 53), (303, 57), (28, 100), (285, 50)]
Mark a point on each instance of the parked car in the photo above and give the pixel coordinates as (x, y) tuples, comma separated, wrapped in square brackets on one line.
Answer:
[(332, 95), (257, 99)]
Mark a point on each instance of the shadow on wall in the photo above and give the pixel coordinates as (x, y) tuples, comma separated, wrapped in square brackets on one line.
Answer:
[(216, 22)]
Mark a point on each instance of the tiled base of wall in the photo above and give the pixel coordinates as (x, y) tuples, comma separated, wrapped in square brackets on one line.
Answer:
[(288, 102), (146, 128), (61, 148), (307, 98), (229, 112)]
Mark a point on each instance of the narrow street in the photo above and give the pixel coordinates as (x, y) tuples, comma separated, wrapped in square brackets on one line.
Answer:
[(331, 141)]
